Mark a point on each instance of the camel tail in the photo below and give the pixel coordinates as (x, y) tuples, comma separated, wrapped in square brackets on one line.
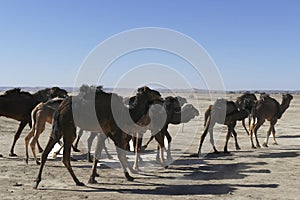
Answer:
[(55, 127)]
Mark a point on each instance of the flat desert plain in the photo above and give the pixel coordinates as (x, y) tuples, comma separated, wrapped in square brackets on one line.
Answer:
[(265, 173)]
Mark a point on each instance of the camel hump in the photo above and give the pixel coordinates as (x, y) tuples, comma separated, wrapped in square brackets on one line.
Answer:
[(15, 91)]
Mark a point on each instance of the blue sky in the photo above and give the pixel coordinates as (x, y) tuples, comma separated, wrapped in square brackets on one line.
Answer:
[(255, 44)]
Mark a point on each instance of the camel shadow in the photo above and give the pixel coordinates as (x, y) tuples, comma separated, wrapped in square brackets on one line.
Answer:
[(286, 154)]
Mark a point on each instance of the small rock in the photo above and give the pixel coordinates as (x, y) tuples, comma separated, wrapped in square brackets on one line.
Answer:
[(18, 184)]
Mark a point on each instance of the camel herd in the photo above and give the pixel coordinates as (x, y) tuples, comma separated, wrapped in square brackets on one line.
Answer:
[(108, 115)]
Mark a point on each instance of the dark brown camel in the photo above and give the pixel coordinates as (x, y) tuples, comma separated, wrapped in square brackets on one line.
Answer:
[(159, 126), (16, 104), (267, 108), (227, 113), (111, 114), (240, 102)]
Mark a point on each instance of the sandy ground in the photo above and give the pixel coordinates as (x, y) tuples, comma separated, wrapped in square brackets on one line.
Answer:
[(266, 173)]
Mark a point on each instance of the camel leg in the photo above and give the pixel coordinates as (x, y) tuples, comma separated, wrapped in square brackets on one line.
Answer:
[(244, 125), (160, 139), (27, 139), (17, 136), (99, 146), (75, 146), (89, 143), (169, 138), (237, 146), (137, 145), (148, 142), (104, 147), (265, 144), (228, 135), (202, 140), (40, 128), (251, 134), (273, 132), (258, 125), (67, 156), (124, 163), (48, 148)]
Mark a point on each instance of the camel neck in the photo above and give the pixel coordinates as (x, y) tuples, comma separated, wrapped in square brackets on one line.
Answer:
[(138, 109), (284, 105)]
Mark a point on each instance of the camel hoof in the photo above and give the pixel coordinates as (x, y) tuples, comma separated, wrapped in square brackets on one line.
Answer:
[(128, 177), (238, 148), (38, 162), (41, 150), (216, 152), (275, 143), (135, 171), (110, 157), (73, 159), (166, 166), (37, 182), (13, 155), (226, 152), (253, 147), (143, 148), (169, 158), (76, 150), (265, 144), (80, 184), (258, 146), (92, 180), (97, 175), (26, 161)]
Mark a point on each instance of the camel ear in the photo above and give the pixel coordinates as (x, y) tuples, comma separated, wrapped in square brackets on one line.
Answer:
[(143, 89)]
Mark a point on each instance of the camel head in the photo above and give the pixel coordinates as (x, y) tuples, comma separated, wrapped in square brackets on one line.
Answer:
[(181, 100), (57, 92), (172, 104), (147, 94), (250, 100), (188, 112), (287, 98)]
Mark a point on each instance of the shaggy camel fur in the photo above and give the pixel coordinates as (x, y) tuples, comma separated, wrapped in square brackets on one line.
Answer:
[(112, 117), (267, 108), (16, 104), (227, 113)]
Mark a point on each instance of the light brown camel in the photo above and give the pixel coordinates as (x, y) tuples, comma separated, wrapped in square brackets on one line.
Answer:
[(227, 113), (267, 108), (112, 115), (40, 115), (16, 104)]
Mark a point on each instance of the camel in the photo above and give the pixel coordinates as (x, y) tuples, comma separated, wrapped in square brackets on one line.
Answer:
[(76, 111), (159, 126), (227, 113), (240, 102), (267, 108), (40, 115), (17, 104)]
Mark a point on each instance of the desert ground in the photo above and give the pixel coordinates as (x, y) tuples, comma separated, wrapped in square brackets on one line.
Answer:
[(265, 173)]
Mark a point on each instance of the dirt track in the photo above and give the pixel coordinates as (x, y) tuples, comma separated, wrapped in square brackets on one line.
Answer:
[(266, 173)]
